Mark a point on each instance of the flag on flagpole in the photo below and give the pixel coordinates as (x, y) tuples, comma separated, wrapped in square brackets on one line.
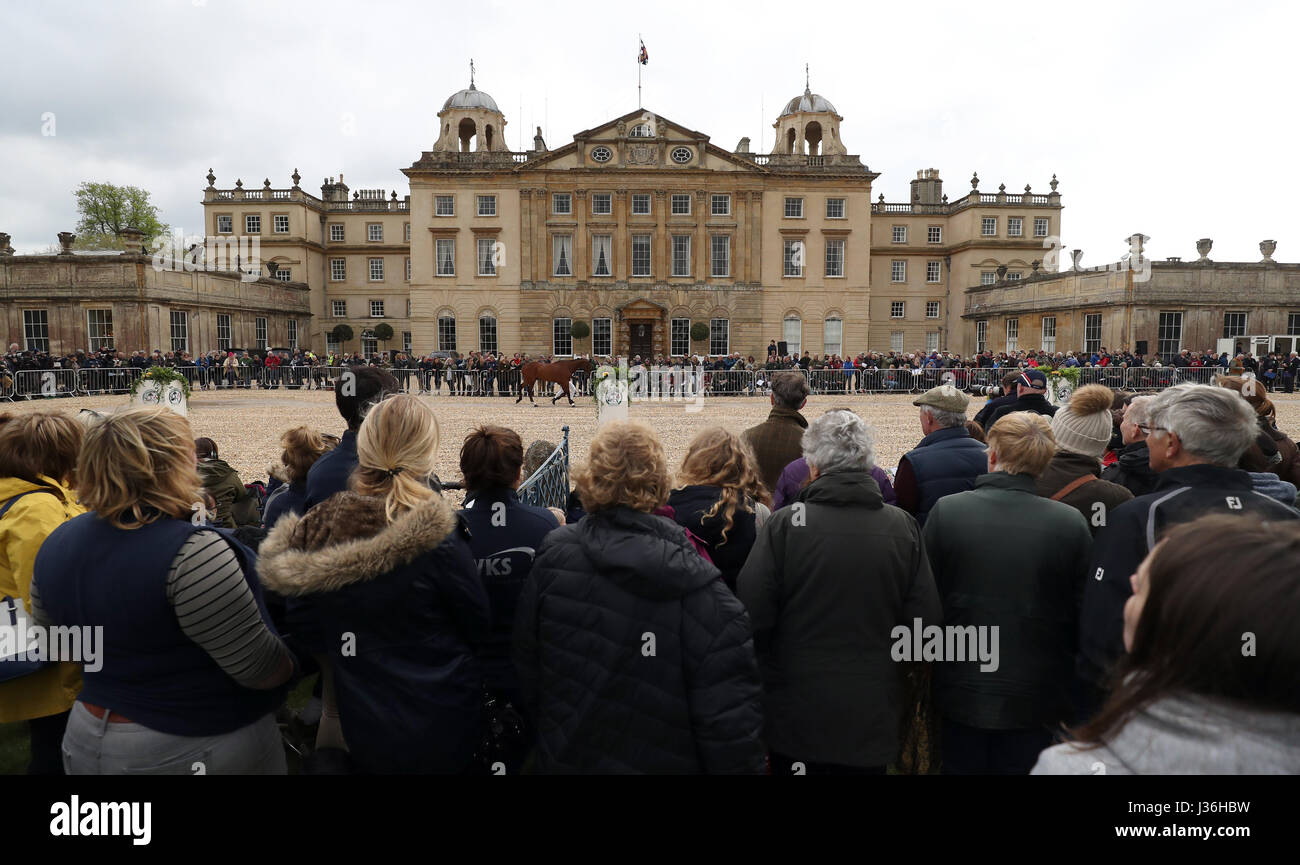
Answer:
[(644, 57)]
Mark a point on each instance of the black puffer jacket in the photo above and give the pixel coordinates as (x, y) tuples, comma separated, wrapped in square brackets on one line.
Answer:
[(1034, 402), (1132, 470), (691, 503), (633, 655)]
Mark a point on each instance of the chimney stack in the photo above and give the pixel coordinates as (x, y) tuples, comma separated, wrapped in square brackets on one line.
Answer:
[(927, 188)]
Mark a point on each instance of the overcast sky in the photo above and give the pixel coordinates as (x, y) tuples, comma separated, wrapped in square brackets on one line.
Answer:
[(1177, 119)]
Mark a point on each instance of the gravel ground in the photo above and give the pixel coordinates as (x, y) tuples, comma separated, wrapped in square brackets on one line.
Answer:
[(247, 424)]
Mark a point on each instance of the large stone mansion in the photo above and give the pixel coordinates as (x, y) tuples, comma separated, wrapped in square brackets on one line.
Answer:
[(639, 227), (650, 235)]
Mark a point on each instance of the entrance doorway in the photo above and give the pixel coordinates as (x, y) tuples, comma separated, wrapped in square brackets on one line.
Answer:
[(640, 339)]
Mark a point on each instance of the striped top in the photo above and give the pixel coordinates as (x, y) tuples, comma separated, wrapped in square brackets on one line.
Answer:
[(216, 609)]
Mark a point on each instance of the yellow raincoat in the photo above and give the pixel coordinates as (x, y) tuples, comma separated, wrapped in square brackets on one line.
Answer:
[(22, 531)]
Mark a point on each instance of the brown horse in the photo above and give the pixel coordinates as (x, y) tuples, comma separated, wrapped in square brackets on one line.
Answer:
[(558, 372)]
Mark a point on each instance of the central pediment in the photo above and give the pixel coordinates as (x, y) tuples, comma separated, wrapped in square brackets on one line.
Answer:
[(640, 140)]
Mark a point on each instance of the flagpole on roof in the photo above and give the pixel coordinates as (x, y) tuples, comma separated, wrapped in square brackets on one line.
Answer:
[(639, 64)]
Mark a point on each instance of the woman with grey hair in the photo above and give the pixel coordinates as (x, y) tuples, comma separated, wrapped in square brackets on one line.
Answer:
[(828, 580)]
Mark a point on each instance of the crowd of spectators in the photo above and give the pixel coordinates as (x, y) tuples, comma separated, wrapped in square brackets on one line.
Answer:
[(739, 614)]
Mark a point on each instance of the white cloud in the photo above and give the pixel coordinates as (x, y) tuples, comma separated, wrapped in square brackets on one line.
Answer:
[(1169, 118)]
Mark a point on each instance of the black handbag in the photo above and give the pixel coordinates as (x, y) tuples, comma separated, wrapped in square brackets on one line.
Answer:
[(504, 739)]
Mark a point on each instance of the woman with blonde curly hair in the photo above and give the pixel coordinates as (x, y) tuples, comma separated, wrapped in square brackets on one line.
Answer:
[(188, 669), (384, 574), (633, 656), (718, 497)]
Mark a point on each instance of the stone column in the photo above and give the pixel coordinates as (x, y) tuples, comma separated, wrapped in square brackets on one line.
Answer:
[(541, 237), (619, 241), (700, 240), (525, 235), (581, 257), (658, 268), (740, 213)]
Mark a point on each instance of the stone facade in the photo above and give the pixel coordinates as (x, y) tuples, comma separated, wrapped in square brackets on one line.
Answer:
[(1178, 305), (69, 302), (522, 236)]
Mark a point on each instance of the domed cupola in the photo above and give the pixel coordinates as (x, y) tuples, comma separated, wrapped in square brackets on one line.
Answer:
[(470, 121), (809, 102), (809, 125), (471, 97)]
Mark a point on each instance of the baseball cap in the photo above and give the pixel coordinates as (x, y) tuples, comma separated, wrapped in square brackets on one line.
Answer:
[(1033, 378)]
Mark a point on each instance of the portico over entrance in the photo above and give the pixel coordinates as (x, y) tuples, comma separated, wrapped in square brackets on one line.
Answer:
[(640, 329)]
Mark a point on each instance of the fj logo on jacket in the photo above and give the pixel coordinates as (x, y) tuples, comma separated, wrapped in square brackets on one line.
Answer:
[(952, 643)]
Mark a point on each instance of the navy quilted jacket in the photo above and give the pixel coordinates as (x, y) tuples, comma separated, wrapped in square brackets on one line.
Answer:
[(633, 655)]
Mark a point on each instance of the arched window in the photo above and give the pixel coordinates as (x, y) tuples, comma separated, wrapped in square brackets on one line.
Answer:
[(793, 331), (641, 130), (562, 337), (447, 331), (467, 131), (487, 136), (832, 335), (487, 332), (789, 140), (369, 345), (812, 137)]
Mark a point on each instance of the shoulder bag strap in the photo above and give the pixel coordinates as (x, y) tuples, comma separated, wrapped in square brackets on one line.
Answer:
[(1072, 486)]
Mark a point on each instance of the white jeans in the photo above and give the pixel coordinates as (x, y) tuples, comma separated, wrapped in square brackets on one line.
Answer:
[(93, 746)]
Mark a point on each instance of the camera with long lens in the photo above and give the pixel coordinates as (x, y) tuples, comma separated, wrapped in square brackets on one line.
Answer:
[(986, 389)]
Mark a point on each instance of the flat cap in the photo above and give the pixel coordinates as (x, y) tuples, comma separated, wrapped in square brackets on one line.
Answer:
[(945, 397)]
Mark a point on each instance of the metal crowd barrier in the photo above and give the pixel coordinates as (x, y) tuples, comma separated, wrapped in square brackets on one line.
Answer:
[(548, 487), (94, 381), (33, 383), (109, 379), (731, 382)]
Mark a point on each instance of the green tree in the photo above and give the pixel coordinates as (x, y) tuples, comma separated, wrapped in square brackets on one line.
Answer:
[(383, 331), (105, 209), (342, 333), (699, 331), (580, 330)]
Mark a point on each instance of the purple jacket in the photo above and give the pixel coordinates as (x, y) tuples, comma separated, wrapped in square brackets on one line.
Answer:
[(795, 475)]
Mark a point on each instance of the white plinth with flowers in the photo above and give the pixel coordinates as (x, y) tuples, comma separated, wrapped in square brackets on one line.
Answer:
[(611, 389)]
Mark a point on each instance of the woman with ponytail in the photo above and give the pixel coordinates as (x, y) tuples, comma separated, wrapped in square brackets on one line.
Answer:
[(385, 575), (719, 494)]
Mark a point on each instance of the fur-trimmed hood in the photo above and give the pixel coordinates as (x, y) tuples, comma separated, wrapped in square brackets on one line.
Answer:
[(345, 540)]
